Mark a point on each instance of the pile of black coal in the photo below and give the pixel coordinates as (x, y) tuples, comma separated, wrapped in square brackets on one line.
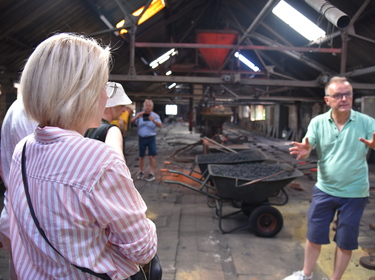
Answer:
[(249, 171), (244, 156)]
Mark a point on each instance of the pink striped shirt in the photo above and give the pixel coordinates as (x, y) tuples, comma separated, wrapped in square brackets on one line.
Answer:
[(85, 201)]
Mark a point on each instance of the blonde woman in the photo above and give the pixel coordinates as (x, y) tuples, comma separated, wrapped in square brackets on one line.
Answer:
[(80, 189)]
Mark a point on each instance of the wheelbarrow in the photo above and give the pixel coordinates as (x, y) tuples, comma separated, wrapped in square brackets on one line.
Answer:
[(202, 161), (253, 186)]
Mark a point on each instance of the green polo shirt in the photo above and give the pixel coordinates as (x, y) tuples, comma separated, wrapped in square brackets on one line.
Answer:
[(342, 165)]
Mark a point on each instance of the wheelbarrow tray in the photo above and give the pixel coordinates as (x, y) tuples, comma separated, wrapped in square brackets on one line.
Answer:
[(250, 190), (248, 156)]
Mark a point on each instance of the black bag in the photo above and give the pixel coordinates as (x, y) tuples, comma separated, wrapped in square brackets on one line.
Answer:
[(99, 133), (153, 269)]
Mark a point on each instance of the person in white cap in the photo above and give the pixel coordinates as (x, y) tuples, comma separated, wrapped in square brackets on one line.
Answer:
[(113, 110)]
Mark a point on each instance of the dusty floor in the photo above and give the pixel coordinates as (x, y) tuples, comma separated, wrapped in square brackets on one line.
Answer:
[(191, 246)]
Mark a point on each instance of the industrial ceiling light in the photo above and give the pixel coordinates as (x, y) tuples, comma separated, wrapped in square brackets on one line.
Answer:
[(163, 58), (171, 86), (247, 62), (298, 21), (155, 7)]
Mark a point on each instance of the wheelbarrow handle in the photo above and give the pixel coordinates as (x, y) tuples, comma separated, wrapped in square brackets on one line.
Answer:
[(202, 181), (220, 145), (261, 179), (193, 188), (182, 167)]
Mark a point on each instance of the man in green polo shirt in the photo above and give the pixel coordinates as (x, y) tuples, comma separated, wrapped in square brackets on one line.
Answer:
[(342, 188)]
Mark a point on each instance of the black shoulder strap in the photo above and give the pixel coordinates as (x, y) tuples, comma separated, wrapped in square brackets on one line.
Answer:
[(100, 132), (36, 221)]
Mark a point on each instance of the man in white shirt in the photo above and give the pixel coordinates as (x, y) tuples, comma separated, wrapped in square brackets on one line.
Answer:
[(16, 126)]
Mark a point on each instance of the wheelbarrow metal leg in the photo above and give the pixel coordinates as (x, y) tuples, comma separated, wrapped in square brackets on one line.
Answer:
[(219, 212)]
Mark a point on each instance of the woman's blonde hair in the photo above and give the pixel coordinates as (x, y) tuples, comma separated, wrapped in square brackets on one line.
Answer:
[(62, 80)]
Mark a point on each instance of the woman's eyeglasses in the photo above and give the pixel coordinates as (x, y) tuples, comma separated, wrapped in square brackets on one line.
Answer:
[(111, 89)]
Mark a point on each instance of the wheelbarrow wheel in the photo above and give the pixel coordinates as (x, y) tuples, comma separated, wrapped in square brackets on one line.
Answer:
[(266, 221)]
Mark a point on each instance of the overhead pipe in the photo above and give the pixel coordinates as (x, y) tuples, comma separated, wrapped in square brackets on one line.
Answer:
[(331, 13)]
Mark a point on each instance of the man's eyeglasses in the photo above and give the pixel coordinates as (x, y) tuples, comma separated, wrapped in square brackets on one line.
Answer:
[(111, 89), (340, 96)]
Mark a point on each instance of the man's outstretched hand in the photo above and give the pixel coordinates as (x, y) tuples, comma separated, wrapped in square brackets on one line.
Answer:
[(302, 150), (369, 143)]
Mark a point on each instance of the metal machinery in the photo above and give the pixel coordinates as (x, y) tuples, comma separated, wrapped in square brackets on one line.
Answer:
[(214, 118)]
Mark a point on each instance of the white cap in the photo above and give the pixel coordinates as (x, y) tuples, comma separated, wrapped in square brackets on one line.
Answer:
[(131, 107), (120, 97)]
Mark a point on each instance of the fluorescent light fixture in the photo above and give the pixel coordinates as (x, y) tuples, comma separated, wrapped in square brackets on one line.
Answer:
[(171, 85), (247, 62), (298, 21), (163, 58), (155, 7), (169, 72), (171, 109)]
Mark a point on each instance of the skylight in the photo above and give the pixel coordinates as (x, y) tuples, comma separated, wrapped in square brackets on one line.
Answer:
[(155, 7), (298, 21), (247, 62)]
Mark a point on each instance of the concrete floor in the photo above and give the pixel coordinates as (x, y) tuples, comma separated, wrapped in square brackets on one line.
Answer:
[(191, 246)]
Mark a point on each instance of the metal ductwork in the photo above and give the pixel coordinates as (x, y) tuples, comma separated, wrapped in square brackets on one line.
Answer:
[(331, 13)]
